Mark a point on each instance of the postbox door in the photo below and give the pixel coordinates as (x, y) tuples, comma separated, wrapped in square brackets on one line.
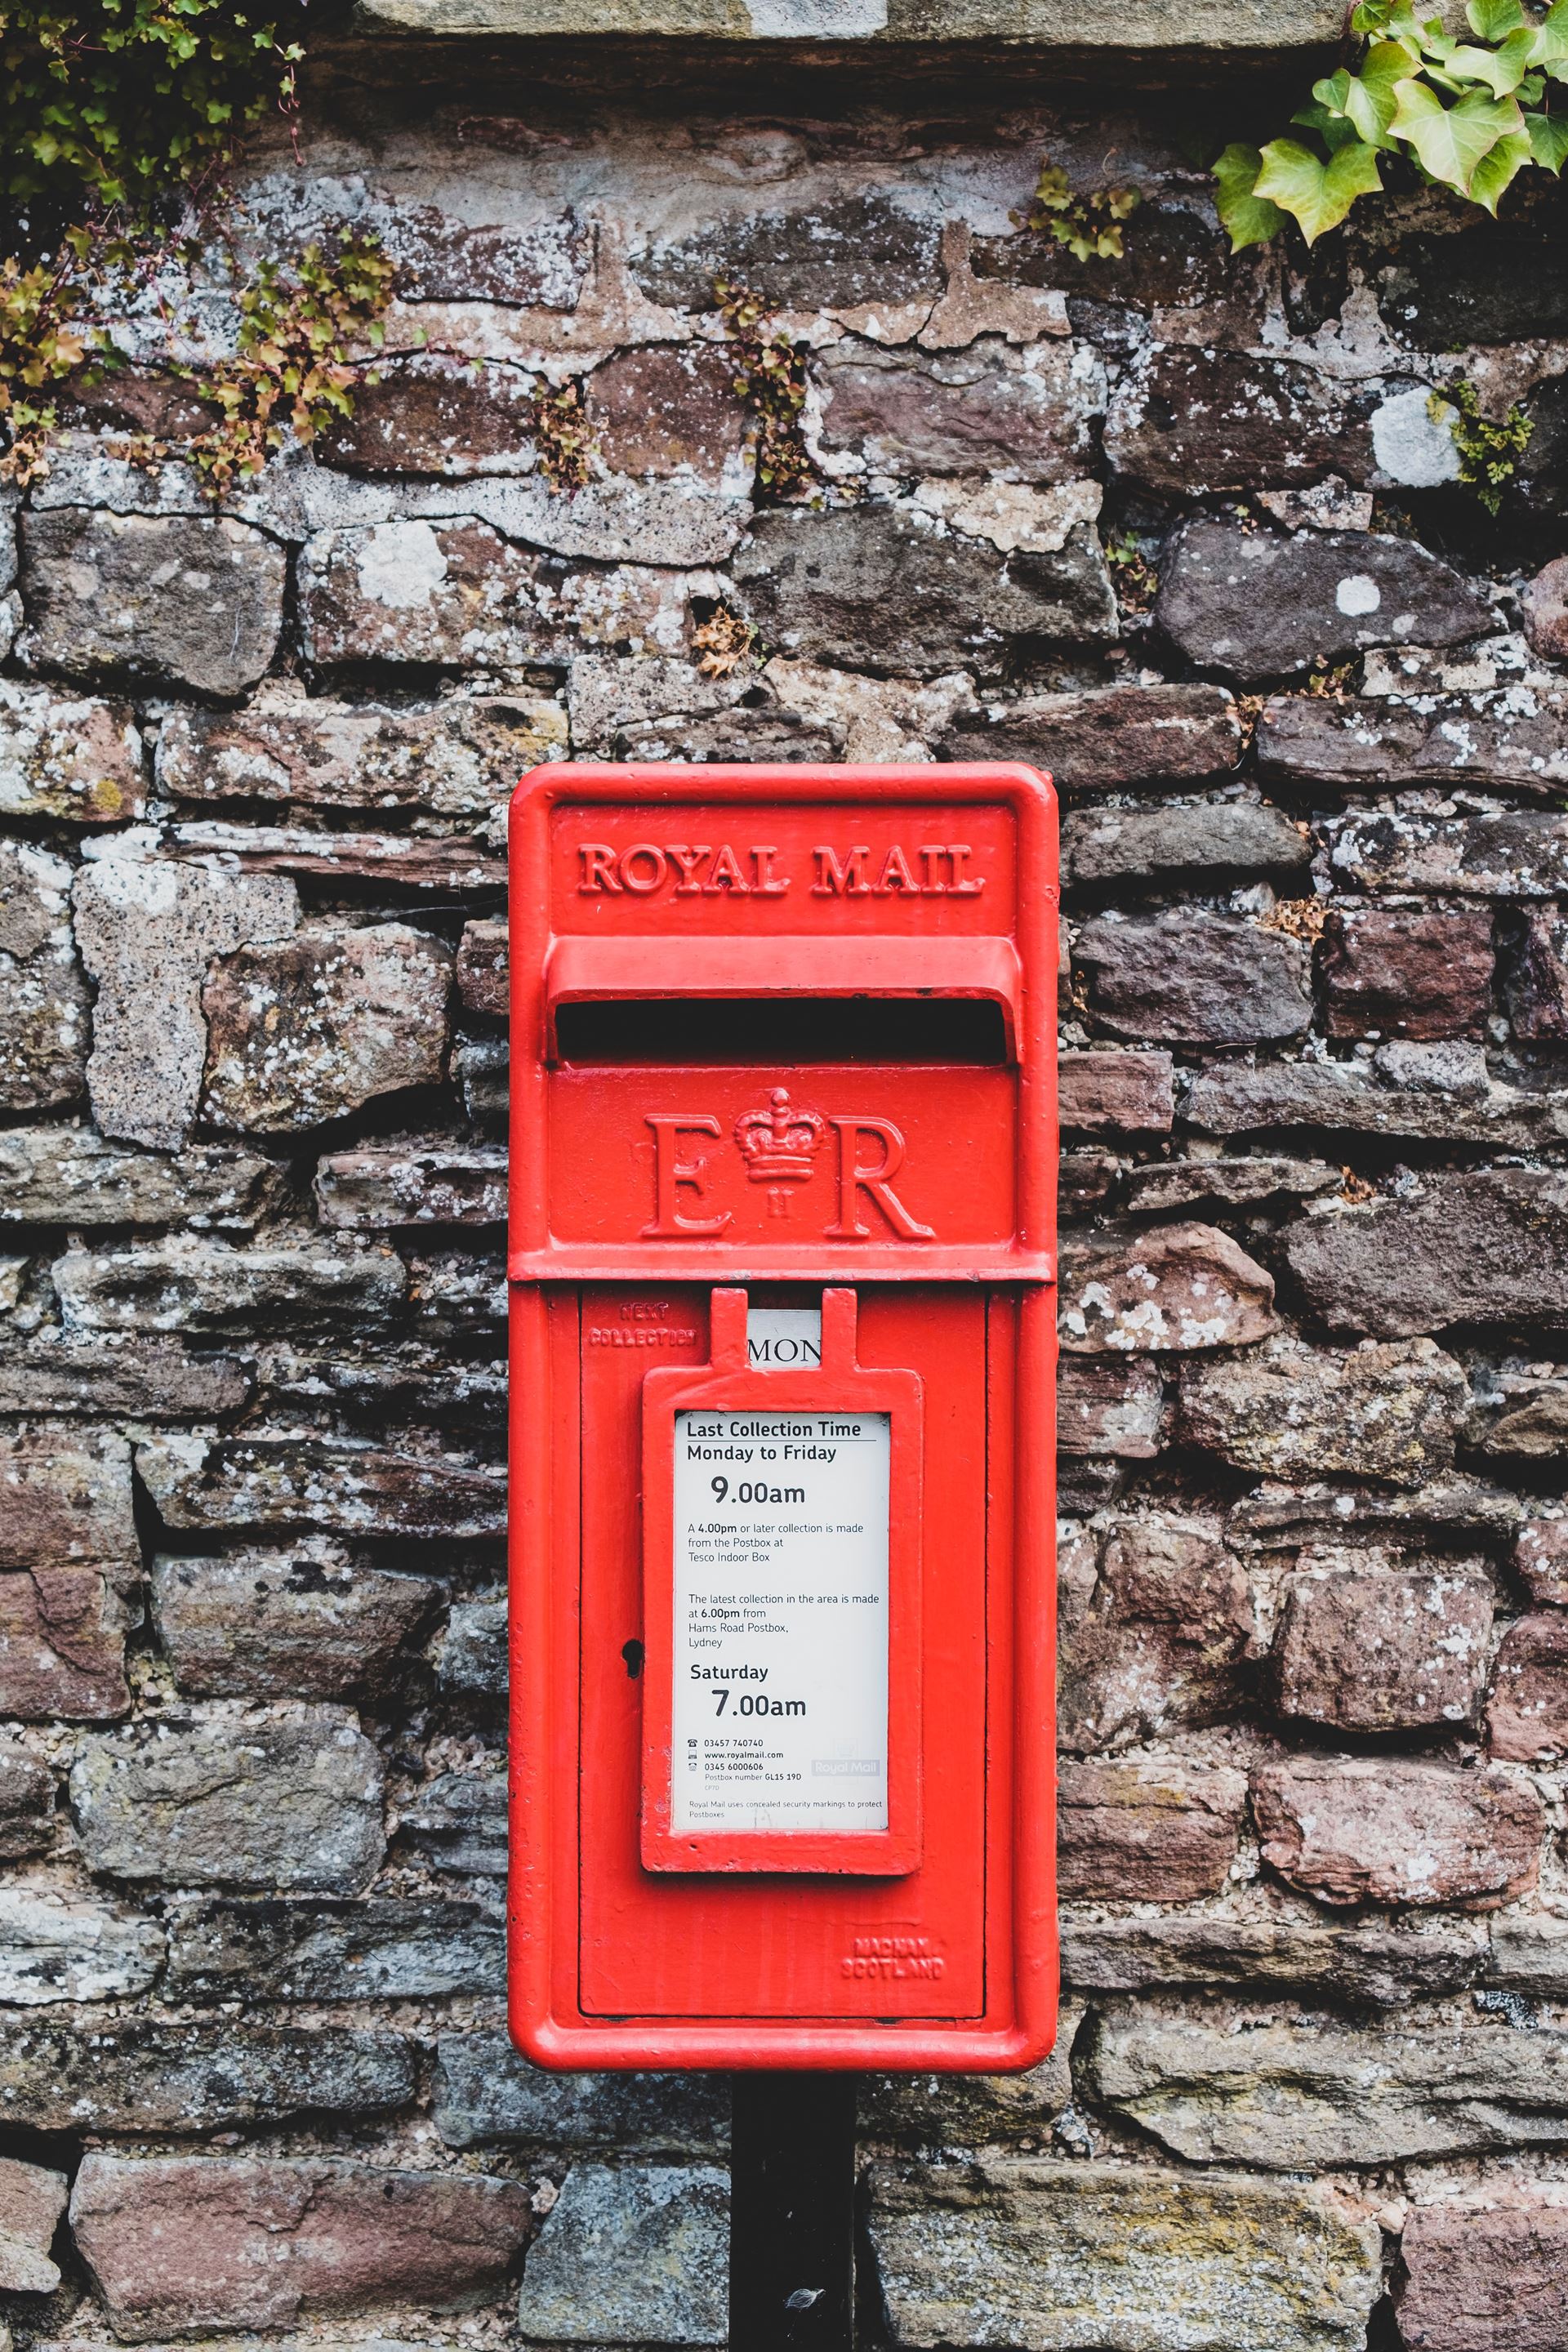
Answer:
[(697, 1944)]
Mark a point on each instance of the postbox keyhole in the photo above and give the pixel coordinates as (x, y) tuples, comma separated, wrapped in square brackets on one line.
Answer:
[(633, 1653)]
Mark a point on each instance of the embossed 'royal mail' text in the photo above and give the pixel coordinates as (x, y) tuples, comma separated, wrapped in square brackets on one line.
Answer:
[(702, 869)]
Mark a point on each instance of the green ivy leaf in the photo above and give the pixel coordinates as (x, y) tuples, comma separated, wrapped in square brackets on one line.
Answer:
[(1317, 194), (140, 95), (1450, 140), (1548, 135), (1332, 128), (1437, 48), (1369, 99), (1549, 43), (1492, 20), (1500, 70), (1394, 19), (1498, 168), (1333, 92), (1250, 218)]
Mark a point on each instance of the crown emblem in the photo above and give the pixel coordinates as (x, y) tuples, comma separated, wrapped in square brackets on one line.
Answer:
[(779, 1144)]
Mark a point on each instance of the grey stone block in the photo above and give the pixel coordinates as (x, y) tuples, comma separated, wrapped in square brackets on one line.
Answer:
[(188, 1284), (143, 2076), (332, 1486), (148, 927), (1188, 846), (383, 1949), (288, 1803), (1050, 2257), (471, 1656), (303, 1622), (487, 2093), (191, 601), (1225, 27), (306, 1030), (1488, 1247), (1297, 2097), (631, 2254), (458, 1822), (1190, 976), (1256, 604), (44, 1018), (57, 1947), (888, 588), (70, 1176)]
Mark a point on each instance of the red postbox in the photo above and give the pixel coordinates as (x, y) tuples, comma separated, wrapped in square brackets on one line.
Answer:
[(782, 1258)]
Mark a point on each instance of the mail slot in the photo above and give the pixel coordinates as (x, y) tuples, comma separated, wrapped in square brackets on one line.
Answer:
[(782, 1265)]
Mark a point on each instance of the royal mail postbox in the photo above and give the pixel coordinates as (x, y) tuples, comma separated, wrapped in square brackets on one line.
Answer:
[(782, 1257)]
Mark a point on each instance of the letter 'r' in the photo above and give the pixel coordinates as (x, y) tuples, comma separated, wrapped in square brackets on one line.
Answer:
[(855, 1178)]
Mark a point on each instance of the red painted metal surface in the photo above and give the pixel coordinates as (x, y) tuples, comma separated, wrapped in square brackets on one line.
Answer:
[(664, 1177)]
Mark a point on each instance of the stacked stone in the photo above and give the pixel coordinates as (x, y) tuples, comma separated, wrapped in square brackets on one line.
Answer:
[(1314, 1563)]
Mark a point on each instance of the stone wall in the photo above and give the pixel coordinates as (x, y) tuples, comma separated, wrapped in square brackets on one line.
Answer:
[(1182, 530)]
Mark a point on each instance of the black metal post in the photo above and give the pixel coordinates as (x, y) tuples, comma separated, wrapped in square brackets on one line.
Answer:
[(791, 2213)]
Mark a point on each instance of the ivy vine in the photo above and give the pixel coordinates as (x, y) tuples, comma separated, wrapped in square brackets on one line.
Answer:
[(1090, 224), (1488, 450), (770, 378), (42, 342), (117, 121), (1468, 115), (126, 99), (293, 371), (563, 435)]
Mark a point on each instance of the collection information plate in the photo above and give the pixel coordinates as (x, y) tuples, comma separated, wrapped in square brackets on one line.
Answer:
[(780, 1715)]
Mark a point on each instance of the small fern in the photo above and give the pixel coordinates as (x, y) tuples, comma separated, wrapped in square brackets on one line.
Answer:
[(1489, 453)]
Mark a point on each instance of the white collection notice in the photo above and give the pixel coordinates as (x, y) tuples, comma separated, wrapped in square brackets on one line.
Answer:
[(780, 1719)]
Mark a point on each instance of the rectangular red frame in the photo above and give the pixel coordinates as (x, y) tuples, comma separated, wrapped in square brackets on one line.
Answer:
[(1018, 2025), (729, 1384)]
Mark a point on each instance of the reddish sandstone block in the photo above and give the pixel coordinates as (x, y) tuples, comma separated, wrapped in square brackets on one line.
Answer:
[(1109, 1405), (1541, 1556), (1146, 1832), (1160, 1646), (483, 968), (62, 1646), (1493, 2275), (1537, 983), (1527, 1716), (31, 2203), (65, 1499), (1407, 975), (186, 2242), (1117, 1094), (1365, 1829), (668, 409), (1159, 1289), (1368, 1647)]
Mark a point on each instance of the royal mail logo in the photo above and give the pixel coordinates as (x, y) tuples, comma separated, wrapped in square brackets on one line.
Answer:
[(703, 869), (782, 1144)]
